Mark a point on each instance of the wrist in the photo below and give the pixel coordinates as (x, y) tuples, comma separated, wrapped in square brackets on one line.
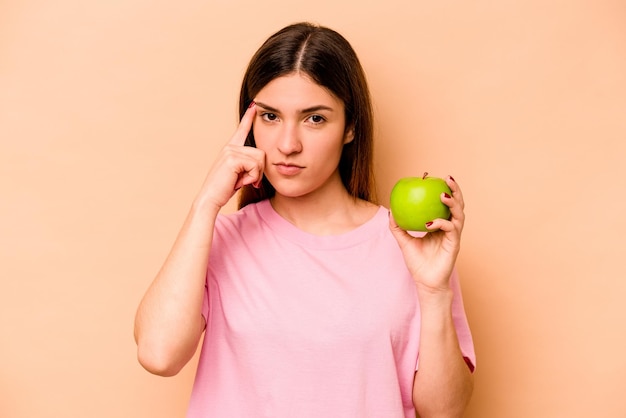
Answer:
[(205, 206), (434, 297), (436, 312)]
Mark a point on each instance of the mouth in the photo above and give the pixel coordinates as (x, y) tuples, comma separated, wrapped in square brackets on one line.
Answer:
[(287, 169)]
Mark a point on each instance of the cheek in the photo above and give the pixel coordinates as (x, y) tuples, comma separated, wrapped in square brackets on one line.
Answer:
[(328, 154)]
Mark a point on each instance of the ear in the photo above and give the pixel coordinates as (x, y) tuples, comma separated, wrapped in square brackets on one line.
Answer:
[(349, 135)]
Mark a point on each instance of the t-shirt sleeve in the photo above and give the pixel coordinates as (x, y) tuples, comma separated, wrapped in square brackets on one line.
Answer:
[(225, 232), (205, 304), (461, 324), (463, 332), (215, 248)]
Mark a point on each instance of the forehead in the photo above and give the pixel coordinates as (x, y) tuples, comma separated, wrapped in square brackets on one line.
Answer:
[(296, 90)]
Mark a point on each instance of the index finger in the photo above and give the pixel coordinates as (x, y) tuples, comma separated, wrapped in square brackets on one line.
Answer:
[(240, 135), (456, 190)]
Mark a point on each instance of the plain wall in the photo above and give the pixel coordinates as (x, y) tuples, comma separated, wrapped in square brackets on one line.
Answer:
[(111, 113)]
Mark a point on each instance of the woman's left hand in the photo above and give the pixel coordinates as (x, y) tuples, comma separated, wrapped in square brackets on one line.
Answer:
[(431, 258)]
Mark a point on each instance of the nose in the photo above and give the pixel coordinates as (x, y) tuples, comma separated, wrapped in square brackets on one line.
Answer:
[(289, 140)]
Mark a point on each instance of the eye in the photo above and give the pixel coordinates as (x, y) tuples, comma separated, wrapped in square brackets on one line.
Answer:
[(269, 116), (316, 119)]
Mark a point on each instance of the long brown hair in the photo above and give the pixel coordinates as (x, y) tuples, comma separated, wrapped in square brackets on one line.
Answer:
[(329, 59)]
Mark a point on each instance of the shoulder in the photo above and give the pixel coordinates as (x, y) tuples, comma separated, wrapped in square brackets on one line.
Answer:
[(239, 221)]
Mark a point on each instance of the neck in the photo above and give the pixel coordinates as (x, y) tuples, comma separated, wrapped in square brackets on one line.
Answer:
[(333, 213)]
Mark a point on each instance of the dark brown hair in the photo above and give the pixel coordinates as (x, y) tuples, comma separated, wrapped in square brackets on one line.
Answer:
[(329, 59)]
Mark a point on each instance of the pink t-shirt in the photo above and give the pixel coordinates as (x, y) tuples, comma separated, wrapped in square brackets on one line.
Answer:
[(300, 325)]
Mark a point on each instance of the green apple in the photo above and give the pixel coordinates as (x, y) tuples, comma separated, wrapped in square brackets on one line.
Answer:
[(417, 200)]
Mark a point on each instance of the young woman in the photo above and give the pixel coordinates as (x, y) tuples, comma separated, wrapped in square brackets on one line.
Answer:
[(312, 301)]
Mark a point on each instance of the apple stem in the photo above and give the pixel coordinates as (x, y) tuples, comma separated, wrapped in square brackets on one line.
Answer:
[(425, 174)]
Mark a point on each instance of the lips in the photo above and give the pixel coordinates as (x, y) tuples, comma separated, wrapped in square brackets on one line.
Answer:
[(287, 169)]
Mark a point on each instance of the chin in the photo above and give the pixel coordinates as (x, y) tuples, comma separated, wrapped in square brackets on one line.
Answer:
[(293, 190), (291, 194), (299, 186)]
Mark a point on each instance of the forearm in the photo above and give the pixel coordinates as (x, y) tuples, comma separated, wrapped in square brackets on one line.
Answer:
[(443, 383), (168, 324)]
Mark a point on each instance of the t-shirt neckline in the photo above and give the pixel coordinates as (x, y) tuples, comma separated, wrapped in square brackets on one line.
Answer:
[(286, 229)]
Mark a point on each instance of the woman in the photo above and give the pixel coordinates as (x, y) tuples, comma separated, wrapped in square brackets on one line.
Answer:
[(312, 301)]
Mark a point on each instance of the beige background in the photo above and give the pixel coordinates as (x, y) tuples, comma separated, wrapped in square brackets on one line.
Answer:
[(112, 111)]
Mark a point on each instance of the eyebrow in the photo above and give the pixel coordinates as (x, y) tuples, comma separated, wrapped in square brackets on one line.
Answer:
[(315, 108)]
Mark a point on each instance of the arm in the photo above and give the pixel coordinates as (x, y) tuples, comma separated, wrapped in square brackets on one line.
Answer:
[(168, 323), (443, 383)]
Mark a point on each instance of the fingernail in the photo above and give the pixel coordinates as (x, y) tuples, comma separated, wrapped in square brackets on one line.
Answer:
[(252, 103), (446, 195), (452, 178), (428, 224)]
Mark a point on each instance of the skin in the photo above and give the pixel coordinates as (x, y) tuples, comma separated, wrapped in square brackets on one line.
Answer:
[(300, 131)]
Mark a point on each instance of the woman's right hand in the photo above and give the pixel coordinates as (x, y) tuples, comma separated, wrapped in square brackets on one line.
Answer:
[(236, 166)]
